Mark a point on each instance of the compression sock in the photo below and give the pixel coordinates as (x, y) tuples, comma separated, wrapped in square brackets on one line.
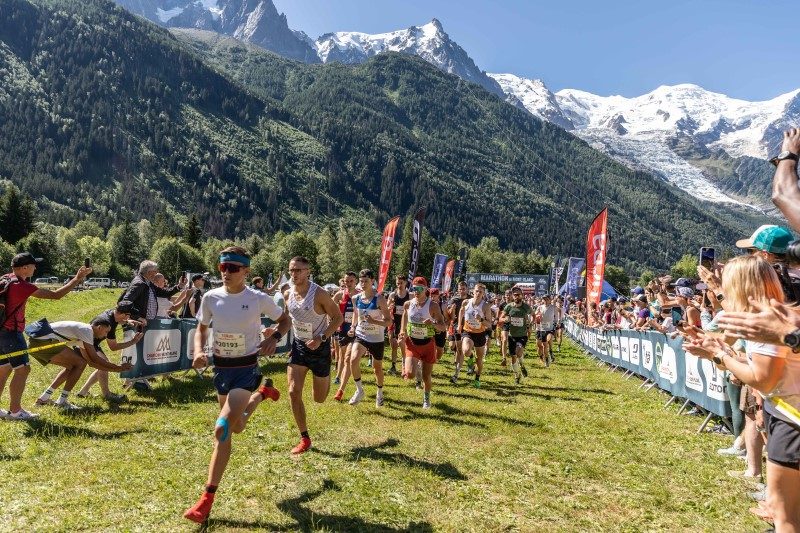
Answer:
[(359, 385)]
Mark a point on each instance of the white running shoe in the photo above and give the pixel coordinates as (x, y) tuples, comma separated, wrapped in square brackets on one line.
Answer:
[(3, 414), (22, 414), (68, 406), (426, 404), (357, 397), (379, 398)]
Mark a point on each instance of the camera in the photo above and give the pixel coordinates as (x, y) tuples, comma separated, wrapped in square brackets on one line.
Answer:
[(793, 251)]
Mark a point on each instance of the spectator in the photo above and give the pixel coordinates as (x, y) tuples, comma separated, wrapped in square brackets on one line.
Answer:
[(143, 293), (195, 296), (772, 370), (79, 351), (785, 191), (166, 307), (13, 357), (120, 315), (258, 283), (771, 242)]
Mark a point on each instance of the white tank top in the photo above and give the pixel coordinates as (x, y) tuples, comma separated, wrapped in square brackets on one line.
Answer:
[(307, 324), (473, 317), (417, 315), (365, 330)]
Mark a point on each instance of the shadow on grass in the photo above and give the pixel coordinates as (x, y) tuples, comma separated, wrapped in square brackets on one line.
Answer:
[(174, 391), (307, 520), (563, 389), (414, 412), (378, 453), (450, 410), (48, 430), (8, 457)]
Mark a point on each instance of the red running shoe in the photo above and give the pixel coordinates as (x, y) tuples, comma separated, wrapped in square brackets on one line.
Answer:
[(268, 391), (303, 446), (199, 512), (339, 395)]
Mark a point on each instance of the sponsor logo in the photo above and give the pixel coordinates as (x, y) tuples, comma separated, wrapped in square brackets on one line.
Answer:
[(162, 346)]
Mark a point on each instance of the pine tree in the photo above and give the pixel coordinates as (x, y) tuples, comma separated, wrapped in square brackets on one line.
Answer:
[(192, 232), (17, 215)]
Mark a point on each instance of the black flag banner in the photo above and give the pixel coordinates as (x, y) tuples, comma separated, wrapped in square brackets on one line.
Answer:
[(416, 243)]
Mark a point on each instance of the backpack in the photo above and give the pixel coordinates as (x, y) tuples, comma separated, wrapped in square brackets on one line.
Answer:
[(6, 281)]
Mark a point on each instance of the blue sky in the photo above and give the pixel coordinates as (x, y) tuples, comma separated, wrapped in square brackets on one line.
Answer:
[(745, 49)]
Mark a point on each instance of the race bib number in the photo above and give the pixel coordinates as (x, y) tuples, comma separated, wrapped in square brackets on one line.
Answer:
[(547, 326), (517, 321), (418, 332), (303, 330), (348, 317), (398, 309), (229, 344), (371, 329), (474, 323)]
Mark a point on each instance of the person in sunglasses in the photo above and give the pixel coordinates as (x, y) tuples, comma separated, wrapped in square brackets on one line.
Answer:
[(422, 318), (315, 316), (474, 321), (237, 341), (517, 315)]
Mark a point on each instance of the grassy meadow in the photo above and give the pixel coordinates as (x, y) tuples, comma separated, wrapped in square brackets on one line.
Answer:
[(573, 448)]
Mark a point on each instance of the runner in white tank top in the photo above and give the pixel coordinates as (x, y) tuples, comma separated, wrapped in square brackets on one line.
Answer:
[(315, 317), (370, 320), (474, 322)]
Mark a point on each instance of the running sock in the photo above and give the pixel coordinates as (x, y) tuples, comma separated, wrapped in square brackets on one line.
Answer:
[(211, 489), (304, 434), (46, 394), (477, 377), (63, 397), (426, 396), (359, 386)]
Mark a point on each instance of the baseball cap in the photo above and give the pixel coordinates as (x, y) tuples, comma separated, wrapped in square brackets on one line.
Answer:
[(434, 291), (641, 298), (126, 306), (637, 290), (769, 238), (686, 292), (683, 282), (25, 258), (419, 280)]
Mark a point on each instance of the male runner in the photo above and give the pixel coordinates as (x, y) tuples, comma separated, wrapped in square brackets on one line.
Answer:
[(421, 320), (236, 341), (546, 317), (441, 336), (518, 317), (344, 299), (315, 317), (504, 348), (559, 303), (397, 299), (370, 321), (475, 319), (454, 335)]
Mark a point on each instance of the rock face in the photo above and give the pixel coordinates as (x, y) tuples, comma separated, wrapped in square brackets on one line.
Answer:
[(254, 21)]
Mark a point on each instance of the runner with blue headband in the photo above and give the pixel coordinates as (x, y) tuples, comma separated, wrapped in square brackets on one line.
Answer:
[(236, 341)]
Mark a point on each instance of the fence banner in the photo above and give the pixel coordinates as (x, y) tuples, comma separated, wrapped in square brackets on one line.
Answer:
[(656, 357), (387, 245), (168, 346)]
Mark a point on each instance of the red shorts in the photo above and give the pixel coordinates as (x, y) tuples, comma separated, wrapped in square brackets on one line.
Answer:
[(424, 352)]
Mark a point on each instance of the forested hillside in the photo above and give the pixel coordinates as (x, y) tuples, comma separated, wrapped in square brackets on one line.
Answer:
[(107, 114)]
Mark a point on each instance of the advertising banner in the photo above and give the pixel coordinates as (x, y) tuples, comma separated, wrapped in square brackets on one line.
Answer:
[(437, 275), (416, 243), (387, 245), (596, 248), (654, 356), (447, 286)]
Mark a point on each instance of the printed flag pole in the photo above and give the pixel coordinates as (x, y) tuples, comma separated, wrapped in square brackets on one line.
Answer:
[(596, 248), (416, 243)]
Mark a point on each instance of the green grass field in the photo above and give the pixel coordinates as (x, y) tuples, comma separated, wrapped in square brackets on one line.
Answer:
[(574, 448)]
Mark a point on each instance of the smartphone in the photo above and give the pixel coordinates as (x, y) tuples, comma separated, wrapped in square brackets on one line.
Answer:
[(708, 257), (87, 262), (677, 315)]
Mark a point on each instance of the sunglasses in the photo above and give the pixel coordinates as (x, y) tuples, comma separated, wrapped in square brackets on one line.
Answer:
[(418, 288), (230, 268)]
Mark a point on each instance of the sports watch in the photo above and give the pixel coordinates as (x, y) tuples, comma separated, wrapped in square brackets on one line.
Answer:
[(277, 335), (792, 340), (717, 360), (782, 156), (323, 337)]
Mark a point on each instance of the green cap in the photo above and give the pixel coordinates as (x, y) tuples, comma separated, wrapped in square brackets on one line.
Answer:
[(769, 238)]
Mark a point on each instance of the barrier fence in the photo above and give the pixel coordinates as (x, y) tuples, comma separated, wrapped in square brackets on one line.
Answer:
[(661, 361), (168, 346)]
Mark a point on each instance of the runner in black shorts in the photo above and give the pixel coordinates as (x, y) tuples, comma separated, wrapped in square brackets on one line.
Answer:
[(440, 338), (518, 317), (397, 299), (344, 299), (452, 313), (314, 319), (504, 325)]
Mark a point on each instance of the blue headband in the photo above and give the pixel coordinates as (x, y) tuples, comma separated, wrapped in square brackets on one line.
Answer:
[(229, 257)]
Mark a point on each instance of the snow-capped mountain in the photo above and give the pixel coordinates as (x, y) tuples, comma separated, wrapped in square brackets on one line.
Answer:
[(645, 131), (430, 42), (254, 21)]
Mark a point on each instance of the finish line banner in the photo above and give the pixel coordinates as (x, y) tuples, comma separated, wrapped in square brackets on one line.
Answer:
[(168, 346), (474, 278), (656, 357)]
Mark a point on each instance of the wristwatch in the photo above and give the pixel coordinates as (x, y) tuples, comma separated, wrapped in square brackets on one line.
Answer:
[(277, 335), (792, 340), (720, 297), (782, 156), (323, 337), (717, 360)]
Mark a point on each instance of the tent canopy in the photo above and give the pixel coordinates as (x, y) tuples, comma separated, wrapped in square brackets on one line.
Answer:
[(608, 291)]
